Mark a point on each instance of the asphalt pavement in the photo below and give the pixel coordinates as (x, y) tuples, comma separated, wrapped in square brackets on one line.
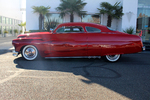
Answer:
[(6, 43), (75, 79)]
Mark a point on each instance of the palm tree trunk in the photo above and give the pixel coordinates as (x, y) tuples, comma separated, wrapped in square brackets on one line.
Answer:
[(81, 18), (71, 17), (109, 21), (40, 22)]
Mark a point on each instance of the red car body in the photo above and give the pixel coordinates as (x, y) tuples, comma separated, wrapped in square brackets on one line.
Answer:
[(79, 39)]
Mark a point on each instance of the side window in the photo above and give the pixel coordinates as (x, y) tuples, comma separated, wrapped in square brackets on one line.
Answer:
[(70, 29), (60, 30), (92, 29)]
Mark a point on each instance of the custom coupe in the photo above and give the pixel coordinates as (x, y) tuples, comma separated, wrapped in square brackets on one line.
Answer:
[(77, 40)]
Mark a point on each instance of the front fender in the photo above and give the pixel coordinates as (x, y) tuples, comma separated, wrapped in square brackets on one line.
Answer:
[(19, 43)]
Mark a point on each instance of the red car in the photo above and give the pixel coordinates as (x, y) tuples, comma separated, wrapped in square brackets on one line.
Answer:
[(77, 40)]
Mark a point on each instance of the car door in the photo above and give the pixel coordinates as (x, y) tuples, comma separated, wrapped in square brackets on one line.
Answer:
[(67, 42), (100, 44), (94, 41)]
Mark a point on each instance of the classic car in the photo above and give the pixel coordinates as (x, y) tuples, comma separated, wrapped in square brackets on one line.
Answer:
[(77, 40)]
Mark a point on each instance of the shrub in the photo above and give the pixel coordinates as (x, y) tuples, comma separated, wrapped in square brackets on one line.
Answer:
[(20, 31), (15, 31), (129, 30), (5, 31), (26, 32), (37, 31)]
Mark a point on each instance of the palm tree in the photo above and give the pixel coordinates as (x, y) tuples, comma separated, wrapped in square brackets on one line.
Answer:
[(42, 11), (71, 7), (112, 11), (23, 25)]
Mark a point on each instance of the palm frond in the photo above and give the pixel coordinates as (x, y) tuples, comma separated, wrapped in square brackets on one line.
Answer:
[(113, 11), (40, 9), (71, 7)]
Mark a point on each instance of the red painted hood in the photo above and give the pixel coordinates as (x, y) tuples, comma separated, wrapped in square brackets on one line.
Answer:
[(33, 34)]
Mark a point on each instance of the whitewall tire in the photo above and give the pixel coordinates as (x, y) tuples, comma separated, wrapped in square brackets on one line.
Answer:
[(30, 52), (112, 58)]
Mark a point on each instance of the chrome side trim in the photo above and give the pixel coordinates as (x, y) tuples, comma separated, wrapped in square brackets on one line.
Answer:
[(15, 53), (75, 57)]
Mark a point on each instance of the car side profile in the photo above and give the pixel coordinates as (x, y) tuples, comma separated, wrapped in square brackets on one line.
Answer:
[(77, 40)]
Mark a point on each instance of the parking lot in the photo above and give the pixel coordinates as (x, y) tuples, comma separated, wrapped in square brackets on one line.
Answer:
[(74, 79)]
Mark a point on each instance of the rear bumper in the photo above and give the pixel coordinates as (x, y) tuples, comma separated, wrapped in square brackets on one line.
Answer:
[(15, 53)]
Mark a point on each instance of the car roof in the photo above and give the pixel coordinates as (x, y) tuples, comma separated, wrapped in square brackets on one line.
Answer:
[(83, 24), (80, 23)]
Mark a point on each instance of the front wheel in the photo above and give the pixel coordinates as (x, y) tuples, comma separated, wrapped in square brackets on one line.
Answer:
[(111, 58), (30, 52)]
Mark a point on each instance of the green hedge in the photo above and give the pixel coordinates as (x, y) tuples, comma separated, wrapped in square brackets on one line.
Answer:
[(31, 31)]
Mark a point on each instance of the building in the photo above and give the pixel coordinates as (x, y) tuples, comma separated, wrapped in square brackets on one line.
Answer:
[(136, 14), (11, 14), (143, 19)]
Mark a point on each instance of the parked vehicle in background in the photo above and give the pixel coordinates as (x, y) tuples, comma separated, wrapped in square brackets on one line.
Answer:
[(77, 40)]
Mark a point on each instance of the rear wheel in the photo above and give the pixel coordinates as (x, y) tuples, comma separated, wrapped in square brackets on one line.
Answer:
[(30, 52), (111, 58)]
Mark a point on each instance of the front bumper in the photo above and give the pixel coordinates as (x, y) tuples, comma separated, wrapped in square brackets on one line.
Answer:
[(143, 48), (15, 53)]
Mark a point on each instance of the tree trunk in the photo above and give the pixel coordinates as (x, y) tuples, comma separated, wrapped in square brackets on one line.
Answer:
[(109, 21), (40, 22), (71, 17)]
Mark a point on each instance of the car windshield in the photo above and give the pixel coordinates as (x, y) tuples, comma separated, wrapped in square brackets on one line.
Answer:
[(54, 28)]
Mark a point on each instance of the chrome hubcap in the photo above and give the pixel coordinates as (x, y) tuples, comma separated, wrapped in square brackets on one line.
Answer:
[(30, 52), (113, 57)]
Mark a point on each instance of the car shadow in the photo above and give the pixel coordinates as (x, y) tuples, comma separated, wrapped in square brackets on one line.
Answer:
[(128, 77)]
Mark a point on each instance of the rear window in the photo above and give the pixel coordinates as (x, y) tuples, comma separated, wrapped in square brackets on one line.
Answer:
[(92, 29)]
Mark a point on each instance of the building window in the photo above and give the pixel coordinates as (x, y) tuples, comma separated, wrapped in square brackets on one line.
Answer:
[(143, 19), (91, 19), (0, 19), (10, 30), (3, 28), (10, 21), (13, 22), (7, 20), (3, 20), (0, 29)]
